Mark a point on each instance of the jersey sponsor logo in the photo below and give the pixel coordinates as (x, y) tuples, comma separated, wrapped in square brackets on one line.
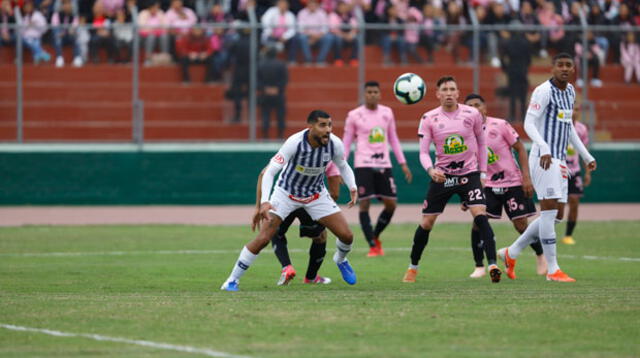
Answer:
[(377, 156), (498, 176), (451, 182), (454, 144), (492, 157), (570, 151), (534, 106), (376, 135), (464, 180), (310, 171), (498, 191), (456, 165), (564, 115), (278, 158)]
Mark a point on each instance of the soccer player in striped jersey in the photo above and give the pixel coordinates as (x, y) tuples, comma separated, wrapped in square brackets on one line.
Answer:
[(508, 185), (303, 159), (461, 166), (549, 125), (308, 227), (373, 127)]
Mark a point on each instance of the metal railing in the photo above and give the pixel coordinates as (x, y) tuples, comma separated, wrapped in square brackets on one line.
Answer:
[(475, 29)]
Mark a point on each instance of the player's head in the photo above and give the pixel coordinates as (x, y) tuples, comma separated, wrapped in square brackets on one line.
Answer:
[(447, 91), (563, 67), (476, 100), (372, 93), (320, 126)]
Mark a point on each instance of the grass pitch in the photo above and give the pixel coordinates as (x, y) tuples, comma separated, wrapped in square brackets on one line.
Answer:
[(160, 284)]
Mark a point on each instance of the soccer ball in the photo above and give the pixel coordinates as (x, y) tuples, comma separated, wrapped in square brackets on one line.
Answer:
[(409, 88)]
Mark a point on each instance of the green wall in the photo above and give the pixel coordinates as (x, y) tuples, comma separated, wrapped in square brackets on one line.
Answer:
[(214, 177)]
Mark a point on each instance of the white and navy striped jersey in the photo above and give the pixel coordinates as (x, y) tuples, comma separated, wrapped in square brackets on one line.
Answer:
[(551, 110), (304, 166)]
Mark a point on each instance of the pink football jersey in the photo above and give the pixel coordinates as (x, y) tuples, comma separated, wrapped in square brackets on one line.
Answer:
[(459, 139), (502, 169), (573, 158), (373, 132)]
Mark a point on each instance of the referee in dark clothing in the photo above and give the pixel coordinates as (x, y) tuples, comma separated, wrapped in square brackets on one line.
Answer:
[(272, 80)]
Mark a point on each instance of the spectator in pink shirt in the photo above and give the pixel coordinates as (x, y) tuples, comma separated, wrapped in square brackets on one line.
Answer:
[(412, 33), (313, 31), (429, 37), (344, 30), (151, 21), (630, 57), (179, 19), (548, 17), (34, 26), (111, 7), (279, 27)]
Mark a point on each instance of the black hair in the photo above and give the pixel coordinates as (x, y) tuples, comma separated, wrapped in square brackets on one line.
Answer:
[(445, 79), (561, 55), (315, 114), (473, 96), (372, 84)]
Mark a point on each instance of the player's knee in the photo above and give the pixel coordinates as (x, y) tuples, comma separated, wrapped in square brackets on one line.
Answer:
[(320, 239), (481, 221), (427, 223), (520, 225), (390, 206), (346, 237)]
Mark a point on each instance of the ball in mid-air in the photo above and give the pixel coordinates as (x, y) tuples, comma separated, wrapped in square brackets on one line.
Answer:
[(409, 88)]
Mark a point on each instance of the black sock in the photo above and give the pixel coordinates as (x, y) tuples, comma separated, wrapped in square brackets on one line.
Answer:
[(420, 241), (537, 247), (383, 220), (488, 238), (279, 244), (570, 226), (365, 224), (316, 256), (476, 248)]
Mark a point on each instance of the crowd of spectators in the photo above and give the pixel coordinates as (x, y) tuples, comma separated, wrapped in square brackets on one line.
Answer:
[(185, 31)]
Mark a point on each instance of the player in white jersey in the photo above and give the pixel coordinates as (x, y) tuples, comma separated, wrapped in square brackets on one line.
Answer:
[(303, 159), (548, 123)]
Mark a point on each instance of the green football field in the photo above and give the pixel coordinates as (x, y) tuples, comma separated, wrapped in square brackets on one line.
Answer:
[(149, 291)]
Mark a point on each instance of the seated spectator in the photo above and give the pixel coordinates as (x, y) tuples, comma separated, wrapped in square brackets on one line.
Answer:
[(430, 38), (624, 20), (393, 37), (7, 36), (497, 16), (65, 34), (313, 31), (344, 29), (123, 37), (195, 48), (412, 33), (100, 34), (179, 19), (111, 7), (630, 57), (83, 37), (596, 17), (555, 37), (34, 26), (221, 38), (454, 38), (279, 27), (151, 21), (593, 61)]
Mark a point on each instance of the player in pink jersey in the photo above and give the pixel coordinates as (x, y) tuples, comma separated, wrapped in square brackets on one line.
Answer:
[(460, 168), (507, 185), (373, 127), (576, 182), (308, 227)]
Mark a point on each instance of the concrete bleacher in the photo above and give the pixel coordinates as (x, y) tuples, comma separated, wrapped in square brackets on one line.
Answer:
[(93, 103)]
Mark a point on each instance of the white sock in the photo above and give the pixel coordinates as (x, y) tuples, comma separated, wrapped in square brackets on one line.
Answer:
[(529, 236), (342, 250), (242, 265), (412, 266), (548, 239)]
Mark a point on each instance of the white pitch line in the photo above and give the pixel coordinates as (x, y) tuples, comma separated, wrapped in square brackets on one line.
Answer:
[(229, 252), (98, 337)]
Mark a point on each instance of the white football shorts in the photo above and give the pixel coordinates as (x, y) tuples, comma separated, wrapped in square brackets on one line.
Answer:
[(317, 206), (552, 183)]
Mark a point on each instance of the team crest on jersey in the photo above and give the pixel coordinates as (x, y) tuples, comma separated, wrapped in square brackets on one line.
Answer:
[(326, 157), (468, 123), (454, 144), (376, 135), (492, 157)]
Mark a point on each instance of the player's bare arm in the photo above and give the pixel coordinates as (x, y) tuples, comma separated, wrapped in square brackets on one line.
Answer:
[(333, 182), (527, 187), (407, 172)]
